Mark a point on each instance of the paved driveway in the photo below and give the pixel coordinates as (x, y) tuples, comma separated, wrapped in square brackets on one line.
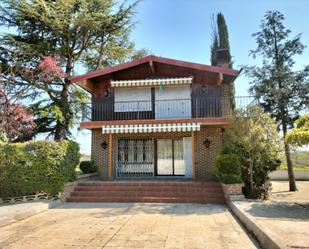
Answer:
[(128, 226)]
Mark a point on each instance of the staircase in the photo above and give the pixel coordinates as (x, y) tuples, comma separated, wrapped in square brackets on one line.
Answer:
[(159, 192)]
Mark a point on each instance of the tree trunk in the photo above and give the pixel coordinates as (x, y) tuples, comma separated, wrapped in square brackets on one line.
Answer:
[(62, 128), (60, 132), (251, 178), (288, 160)]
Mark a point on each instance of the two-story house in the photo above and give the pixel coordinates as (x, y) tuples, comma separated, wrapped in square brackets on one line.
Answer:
[(157, 117)]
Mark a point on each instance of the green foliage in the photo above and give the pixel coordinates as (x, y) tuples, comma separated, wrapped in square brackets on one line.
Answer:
[(36, 166), (229, 168), (253, 137), (88, 33), (88, 167), (281, 90), (214, 44), (3, 137), (223, 32), (220, 40), (299, 136)]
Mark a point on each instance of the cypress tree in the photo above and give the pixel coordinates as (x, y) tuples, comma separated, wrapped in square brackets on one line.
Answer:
[(223, 32)]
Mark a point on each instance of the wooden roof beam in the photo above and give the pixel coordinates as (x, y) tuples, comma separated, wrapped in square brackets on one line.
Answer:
[(152, 67), (86, 84), (219, 79)]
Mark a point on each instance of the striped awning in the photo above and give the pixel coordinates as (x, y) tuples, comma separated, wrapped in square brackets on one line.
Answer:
[(152, 82), (148, 128)]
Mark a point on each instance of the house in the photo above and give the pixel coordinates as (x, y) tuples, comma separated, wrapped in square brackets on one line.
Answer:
[(157, 117)]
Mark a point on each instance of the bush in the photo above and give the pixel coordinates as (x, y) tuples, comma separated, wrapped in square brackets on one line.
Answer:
[(36, 166), (252, 135), (229, 168), (88, 167)]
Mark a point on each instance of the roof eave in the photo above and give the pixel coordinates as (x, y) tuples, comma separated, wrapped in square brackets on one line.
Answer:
[(195, 66)]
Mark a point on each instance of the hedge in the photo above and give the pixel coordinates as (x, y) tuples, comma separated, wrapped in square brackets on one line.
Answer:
[(36, 166), (88, 167), (229, 168)]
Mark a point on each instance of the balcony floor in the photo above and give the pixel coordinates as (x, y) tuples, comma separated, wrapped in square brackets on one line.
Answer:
[(219, 121)]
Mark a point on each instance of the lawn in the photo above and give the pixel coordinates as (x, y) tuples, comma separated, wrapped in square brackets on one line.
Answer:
[(296, 166), (300, 160)]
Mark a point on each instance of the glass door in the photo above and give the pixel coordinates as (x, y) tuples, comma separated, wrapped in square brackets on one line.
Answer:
[(179, 164), (164, 157), (170, 158)]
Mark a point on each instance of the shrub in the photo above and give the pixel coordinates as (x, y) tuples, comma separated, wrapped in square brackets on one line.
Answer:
[(252, 136), (36, 166), (88, 167), (229, 168)]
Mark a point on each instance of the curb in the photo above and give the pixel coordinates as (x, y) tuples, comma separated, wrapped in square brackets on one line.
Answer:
[(264, 236), (23, 212)]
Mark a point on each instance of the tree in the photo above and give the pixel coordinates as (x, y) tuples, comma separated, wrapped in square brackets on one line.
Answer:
[(282, 91), (215, 43), (253, 137), (299, 136), (220, 40), (223, 32), (90, 33), (15, 119), (220, 37)]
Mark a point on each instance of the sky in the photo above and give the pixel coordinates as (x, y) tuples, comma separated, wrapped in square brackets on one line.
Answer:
[(181, 29)]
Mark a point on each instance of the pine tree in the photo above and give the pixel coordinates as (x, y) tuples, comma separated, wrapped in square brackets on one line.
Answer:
[(282, 91), (89, 33)]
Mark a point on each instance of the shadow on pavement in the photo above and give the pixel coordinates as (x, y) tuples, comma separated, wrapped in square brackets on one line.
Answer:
[(280, 210)]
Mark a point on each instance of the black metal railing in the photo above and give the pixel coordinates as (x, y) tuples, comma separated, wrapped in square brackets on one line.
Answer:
[(165, 109)]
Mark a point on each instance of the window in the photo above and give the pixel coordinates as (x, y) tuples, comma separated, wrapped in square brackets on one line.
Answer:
[(135, 151), (132, 99)]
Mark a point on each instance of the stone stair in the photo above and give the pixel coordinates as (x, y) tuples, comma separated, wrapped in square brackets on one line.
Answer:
[(155, 192)]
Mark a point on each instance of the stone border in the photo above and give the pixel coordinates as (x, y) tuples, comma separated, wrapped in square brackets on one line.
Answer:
[(70, 186), (265, 237), (27, 198), (84, 176), (232, 192)]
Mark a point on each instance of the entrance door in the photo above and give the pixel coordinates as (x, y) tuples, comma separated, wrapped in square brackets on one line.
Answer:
[(170, 157)]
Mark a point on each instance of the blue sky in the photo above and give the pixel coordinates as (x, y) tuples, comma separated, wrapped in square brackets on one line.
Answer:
[(181, 29)]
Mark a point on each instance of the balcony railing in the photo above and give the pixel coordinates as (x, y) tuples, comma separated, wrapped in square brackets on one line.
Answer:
[(165, 109)]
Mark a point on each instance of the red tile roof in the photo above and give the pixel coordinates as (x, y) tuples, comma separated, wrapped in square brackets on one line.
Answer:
[(196, 66)]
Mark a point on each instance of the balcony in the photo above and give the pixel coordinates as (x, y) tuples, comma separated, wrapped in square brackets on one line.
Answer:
[(210, 107)]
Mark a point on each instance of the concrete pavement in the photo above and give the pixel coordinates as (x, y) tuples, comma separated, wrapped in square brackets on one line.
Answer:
[(90, 225)]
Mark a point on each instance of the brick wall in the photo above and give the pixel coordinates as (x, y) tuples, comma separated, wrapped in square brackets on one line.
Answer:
[(98, 155), (204, 157)]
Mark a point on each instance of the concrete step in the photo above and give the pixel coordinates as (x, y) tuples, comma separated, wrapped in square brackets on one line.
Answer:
[(126, 191), (151, 184), (146, 193), (148, 188), (215, 200)]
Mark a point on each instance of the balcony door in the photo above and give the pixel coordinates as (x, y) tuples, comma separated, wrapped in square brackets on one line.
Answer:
[(170, 157)]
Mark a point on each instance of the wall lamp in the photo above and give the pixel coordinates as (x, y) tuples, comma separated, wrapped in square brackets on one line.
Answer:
[(104, 145), (207, 142)]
